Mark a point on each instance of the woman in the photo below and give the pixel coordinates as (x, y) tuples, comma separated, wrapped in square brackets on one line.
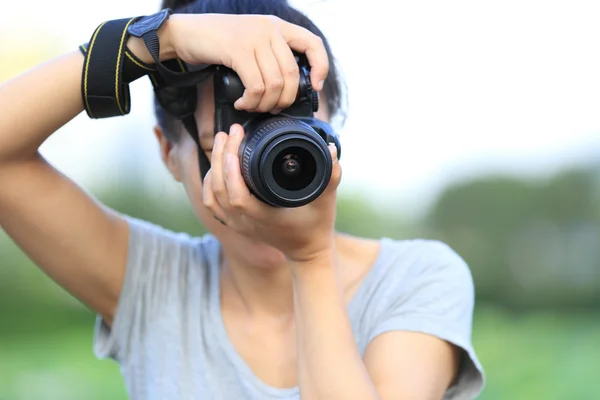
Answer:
[(273, 303)]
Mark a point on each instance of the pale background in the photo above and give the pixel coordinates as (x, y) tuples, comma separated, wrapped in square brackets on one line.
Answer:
[(438, 91)]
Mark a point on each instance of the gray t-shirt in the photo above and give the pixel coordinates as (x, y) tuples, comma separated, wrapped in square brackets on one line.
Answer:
[(170, 342)]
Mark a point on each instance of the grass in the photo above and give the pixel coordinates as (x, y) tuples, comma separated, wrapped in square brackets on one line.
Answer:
[(531, 356)]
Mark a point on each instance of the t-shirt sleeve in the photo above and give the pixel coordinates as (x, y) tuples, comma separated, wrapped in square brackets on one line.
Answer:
[(436, 296), (154, 264)]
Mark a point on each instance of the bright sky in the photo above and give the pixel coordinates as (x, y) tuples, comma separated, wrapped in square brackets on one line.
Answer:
[(439, 91)]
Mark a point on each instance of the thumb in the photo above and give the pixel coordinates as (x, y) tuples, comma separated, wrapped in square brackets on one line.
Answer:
[(336, 169)]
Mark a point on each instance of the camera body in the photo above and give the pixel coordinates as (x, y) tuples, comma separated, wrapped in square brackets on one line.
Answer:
[(284, 158)]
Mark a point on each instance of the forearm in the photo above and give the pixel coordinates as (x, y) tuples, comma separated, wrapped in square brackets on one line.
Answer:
[(37, 103), (330, 364), (40, 101)]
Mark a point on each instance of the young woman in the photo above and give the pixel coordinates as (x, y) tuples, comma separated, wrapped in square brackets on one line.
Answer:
[(273, 304)]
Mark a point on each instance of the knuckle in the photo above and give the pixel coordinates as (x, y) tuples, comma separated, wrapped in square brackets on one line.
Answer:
[(318, 41), (218, 191), (257, 88), (275, 83), (292, 72), (271, 20), (237, 203), (208, 202)]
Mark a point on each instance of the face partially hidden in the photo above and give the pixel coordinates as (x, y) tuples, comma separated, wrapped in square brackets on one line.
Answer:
[(181, 159)]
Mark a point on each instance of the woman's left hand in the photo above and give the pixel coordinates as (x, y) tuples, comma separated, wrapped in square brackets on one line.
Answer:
[(301, 234)]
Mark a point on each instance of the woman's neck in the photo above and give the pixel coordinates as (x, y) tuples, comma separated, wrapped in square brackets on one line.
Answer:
[(261, 285), (257, 290)]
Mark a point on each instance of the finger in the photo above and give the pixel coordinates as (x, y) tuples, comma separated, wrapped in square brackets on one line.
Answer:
[(240, 197), (271, 73), (210, 201), (304, 41), (216, 168), (236, 135), (249, 73), (289, 71), (336, 169)]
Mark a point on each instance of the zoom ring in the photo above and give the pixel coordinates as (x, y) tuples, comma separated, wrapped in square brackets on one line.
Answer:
[(254, 140), (269, 127)]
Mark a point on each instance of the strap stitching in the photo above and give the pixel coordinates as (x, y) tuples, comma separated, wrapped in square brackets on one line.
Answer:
[(87, 64), (137, 62), (117, 70)]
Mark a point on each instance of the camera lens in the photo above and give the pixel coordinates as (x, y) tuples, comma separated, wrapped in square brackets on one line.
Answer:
[(291, 166), (285, 162), (294, 169)]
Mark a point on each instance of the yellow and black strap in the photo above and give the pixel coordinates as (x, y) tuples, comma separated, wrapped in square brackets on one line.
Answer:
[(110, 67), (105, 92), (133, 67)]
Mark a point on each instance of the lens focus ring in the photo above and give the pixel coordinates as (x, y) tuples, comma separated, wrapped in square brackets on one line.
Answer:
[(256, 138), (265, 140)]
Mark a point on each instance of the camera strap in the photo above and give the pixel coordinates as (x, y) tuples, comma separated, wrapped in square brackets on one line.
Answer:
[(104, 89), (176, 91), (109, 68), (133, 68)]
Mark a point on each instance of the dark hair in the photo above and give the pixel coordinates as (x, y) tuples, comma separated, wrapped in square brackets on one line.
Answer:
[(332, 90)]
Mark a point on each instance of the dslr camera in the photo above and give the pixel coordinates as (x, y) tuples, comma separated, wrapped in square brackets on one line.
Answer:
[(284, 158)]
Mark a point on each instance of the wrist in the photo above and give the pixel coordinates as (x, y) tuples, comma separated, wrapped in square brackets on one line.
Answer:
[(167, 49), (324, 259), (321, 247)]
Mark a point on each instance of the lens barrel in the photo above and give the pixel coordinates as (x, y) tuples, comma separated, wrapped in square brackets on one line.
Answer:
[(285, 162)]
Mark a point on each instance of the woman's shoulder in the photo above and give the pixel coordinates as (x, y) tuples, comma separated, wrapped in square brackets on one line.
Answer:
[(170, 254), (425, 255), (422, 285), (145, 233), (421, 278), (404, 261)]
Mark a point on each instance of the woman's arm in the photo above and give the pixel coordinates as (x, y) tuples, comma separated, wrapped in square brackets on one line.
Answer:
[(74, 239), (77, 242), (68, 234), (329, 363), (397, 365)]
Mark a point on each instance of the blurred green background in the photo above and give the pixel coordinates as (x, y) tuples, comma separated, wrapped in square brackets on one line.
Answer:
[(532, 247)]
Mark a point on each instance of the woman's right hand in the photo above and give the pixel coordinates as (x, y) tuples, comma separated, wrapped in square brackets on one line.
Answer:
[(257, 47)]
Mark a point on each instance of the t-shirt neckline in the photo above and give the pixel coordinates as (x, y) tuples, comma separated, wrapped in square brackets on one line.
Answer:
[(223, 337)]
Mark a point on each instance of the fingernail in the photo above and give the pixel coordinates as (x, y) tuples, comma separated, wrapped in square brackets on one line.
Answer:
[(320, 85), (235, 130), (333, 150)]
